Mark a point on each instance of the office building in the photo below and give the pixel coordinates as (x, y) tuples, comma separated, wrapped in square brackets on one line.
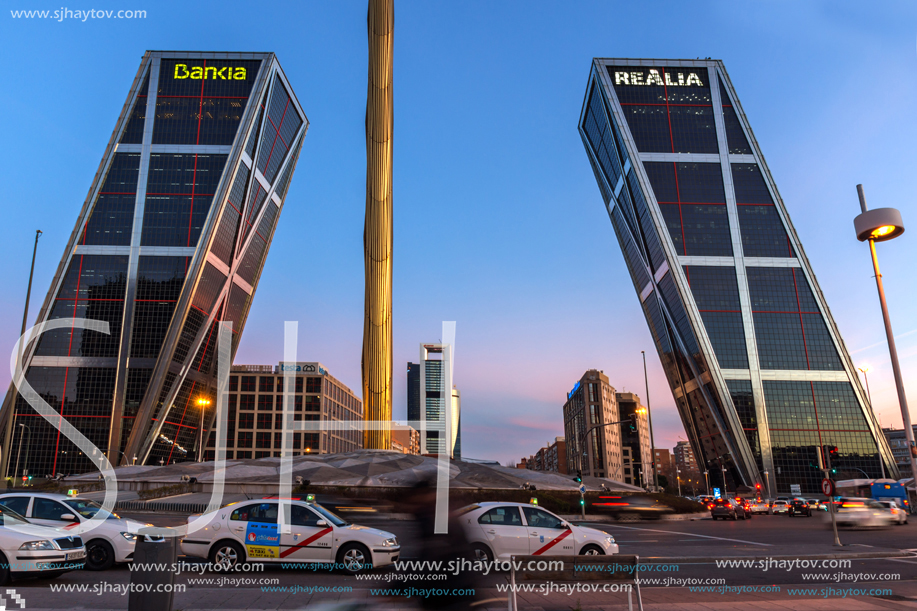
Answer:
[(684, 457), (753, 357), (635, 445), (900, 450), (431, 384), (592, 401), (405, 439), (414, 395), (255, 414), (170, 241)]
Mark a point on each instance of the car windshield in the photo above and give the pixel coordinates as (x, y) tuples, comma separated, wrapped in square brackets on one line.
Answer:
[(332, 517), (88, 509), (8, 517)]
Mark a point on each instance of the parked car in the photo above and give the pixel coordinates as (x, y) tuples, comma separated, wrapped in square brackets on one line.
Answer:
[(798, 507), (779, 506), (862, 512), (31, 550), (112, 541), (728, 509), (501, 530), (248, 530), (892, 506)]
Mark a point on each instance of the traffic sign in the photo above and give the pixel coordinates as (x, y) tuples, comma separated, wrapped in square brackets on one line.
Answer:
[(827, 486), (582, 489)]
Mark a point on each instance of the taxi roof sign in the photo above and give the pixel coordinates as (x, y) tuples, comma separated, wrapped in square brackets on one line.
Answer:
[(73, 492), (533, 501)]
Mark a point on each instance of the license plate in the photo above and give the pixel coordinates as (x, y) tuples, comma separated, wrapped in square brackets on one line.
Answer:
[(76, 555)]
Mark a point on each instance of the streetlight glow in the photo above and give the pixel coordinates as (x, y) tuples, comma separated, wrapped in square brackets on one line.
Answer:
[(882, 231)]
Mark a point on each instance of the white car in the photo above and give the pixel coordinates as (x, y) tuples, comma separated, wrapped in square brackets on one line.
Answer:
[(899, 514), (498, 531), (248, 530), (30, 550), (862, 512), (113, 541)]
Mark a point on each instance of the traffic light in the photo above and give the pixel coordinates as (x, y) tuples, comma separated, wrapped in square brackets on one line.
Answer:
[(582, 501), (579, 477), (633, 423), (758, 486)]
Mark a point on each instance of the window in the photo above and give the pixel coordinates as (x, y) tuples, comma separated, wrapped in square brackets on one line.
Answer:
[(264, 513), (248, 383), (46, 509), (233, 383), (265, 421), (313, 385), (263, 440), (246, 420), (245, 441), (502, 516), (19, 504), (303, 516), (246, 402), (538, 518), (265, 402), (266, 384)]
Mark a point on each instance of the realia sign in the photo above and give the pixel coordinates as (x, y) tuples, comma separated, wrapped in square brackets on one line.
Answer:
[(654, 77)]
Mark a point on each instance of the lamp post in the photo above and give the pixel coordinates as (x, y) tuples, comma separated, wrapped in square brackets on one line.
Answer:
[(725, 487), (678, 478), (767, 482), (880, 225), (649, 417), (707, 482), (19, 453), (202, 403), (8, 434)]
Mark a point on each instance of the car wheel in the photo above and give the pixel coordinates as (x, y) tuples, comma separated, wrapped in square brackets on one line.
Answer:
[(225, 555), (592, 550), (100, 556), (749, 515), (735, 516), (4, 570), (354, 558), (481, 553)]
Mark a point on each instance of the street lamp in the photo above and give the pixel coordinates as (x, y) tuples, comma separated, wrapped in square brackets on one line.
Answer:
[(678, 478), (725, 487), (202, 402), (707, 482), (880, 225), (767, 482)]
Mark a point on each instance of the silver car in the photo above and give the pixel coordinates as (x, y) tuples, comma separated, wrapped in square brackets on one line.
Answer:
[(899, 514), (862, 512)]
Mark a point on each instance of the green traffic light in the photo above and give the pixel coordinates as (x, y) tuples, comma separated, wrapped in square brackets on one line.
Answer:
[(582, 501)]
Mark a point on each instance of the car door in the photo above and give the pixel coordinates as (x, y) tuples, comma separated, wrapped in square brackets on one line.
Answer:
[(547, 533), (310, 536), (256, 526), (49, 512), (505, 532)]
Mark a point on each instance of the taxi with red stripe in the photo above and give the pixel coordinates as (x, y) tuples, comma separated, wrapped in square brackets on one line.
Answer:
[(250, 531), (498, 531)]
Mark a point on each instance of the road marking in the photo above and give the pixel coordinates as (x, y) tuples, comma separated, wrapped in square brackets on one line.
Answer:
[(675, 532), (638, 541), (898, 560)]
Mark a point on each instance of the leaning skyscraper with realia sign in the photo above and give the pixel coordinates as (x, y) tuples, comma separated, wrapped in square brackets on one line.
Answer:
[(755, 362), (170, 241)]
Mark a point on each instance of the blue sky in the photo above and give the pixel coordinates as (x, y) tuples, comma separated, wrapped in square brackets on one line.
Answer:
[(498, 222)]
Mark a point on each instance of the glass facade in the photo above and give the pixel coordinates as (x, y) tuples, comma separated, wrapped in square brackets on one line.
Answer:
[(176, 190), (755, 363)]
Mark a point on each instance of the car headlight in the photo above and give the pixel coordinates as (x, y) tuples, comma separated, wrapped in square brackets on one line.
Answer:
[(130, 537), (391, 542), (610, 540), (36, 546)]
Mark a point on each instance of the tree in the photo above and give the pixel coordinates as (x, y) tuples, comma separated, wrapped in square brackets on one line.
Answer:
[(663, 481)]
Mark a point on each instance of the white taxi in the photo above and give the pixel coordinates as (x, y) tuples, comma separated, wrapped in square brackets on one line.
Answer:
[(498, 531), (112, 541), (248, 530), (30, 550)]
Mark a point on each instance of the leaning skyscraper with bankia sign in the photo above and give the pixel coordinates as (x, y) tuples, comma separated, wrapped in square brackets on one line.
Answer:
[(754, 360), (170, 240)]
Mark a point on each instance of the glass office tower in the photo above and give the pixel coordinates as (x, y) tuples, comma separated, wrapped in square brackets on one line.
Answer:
[(170, 240), (755, 362)]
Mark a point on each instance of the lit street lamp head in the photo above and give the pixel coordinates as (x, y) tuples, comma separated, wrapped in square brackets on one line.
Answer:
[(880, 225)]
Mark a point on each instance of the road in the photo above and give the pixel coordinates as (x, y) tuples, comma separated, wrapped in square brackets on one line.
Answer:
[(694, 547)]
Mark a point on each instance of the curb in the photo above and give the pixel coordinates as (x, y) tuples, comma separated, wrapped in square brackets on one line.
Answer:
[(837, 556)]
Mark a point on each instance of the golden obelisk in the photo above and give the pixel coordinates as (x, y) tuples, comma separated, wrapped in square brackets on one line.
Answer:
[(377, 230)]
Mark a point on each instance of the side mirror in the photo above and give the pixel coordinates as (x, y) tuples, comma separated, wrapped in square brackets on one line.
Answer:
[(68, 517), (321, 523)]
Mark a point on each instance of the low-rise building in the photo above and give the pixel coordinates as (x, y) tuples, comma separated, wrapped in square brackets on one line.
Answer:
[(405, 439)]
